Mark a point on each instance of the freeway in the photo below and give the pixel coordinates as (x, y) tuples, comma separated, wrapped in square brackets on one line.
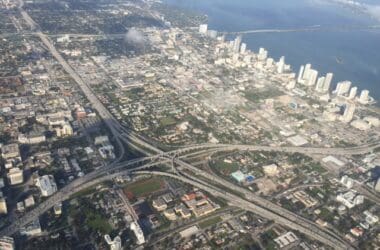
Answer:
[(266, 208), (77, 185), (291, 217), (262, 211), (363, 149), (307, 29)]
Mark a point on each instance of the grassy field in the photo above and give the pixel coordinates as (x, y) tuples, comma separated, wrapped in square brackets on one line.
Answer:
[(145, 187), (167, 121), (225, 168), (210, 222)]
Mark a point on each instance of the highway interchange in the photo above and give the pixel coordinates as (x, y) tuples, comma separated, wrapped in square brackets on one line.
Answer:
[(185, 171)]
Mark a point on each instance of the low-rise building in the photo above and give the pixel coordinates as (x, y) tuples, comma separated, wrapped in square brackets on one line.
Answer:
[(3, 207), (32, 229), (31, 138), (47, 185), (306, 199), (64, 130), (10, 151), (271, 170), (15, 176), (286, 240), (159, 204), (7, 243), (350, 199), (170, 214), (114, 244)]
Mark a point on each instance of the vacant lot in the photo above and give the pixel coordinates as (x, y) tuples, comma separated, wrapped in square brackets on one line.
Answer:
[(145, 187)]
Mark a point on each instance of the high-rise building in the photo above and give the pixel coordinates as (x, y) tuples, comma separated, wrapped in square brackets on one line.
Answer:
[(138, 233), (212, 33), (7, 243), (364, 97), (237, 43), (281, 65), (313, 75), (300, 75), (320, 84), (342, 88), (243, 48), (328, 80), (203, 28), (353, 93), (306, 74), (263, 54), (349, 111)]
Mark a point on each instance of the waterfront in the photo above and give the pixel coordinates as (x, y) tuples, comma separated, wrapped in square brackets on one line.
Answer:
[(350, 50)]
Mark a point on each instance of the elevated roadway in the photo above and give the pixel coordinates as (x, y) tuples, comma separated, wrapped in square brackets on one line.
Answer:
[(237, 201)]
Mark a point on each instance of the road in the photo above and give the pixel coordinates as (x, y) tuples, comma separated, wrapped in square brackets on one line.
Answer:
[(237, 201), (264, 208), (307, 29)]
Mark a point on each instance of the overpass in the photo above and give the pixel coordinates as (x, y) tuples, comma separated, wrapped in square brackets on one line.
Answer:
[(154, 154), (312, 231)]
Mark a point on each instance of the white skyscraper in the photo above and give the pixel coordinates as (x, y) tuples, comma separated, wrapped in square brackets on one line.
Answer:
[(237, 43), (348, 112), (281, 65), (364, 97), (313, 75), (353, 93), (243, 48), (320, 84), (328, 80), (306, 74), (342, 88), (203, 29), (263, 54), (300, 75)]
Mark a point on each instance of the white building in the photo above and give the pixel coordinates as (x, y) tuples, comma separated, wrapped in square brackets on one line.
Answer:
[(328, 81), (114, 244), (364, 97), (243, 48), (15, 176), (263, 54), (64, 130), (353, 92), (47, 185), (7, 243), (33, 138), (320, 84), (300, 75), (342, 88), (350, 199), (281, 65), (203, 28), (10, 151), (285, 240), (3, 206), (347, 181), (349, 112), (271, 170), (32, 229), (313, 75), (236, 44), (138, 233)]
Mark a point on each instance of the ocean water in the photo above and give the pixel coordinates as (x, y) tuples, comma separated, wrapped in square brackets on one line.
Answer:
[(344, 43)]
